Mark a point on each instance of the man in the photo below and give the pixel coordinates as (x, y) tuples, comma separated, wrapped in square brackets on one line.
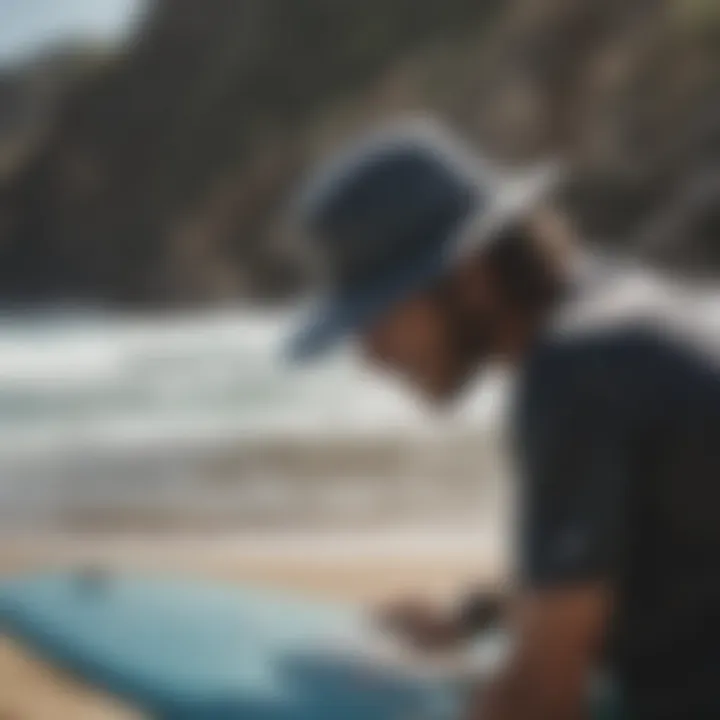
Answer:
[(437, 266)]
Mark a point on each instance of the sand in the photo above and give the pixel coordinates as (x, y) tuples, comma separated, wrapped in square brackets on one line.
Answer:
[(371, 568)]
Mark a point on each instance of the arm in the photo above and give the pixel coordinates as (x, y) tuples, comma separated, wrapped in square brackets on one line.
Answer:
[(559, 637)]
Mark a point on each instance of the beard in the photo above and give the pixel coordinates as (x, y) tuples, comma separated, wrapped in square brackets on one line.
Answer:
[(469, 340)]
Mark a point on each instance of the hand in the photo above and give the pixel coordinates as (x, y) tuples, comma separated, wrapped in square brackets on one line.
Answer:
[(421, 624)]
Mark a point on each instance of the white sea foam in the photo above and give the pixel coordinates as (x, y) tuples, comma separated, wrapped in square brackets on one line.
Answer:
[(135, 412), (212, 375)]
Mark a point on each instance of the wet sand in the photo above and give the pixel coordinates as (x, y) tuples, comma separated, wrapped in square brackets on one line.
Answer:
[(367, 568)]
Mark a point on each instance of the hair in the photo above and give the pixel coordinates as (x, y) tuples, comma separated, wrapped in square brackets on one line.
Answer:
[(528, 274), (525, 271)]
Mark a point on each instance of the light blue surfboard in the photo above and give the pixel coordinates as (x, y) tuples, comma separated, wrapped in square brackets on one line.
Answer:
[(183, 650), (190, 651)]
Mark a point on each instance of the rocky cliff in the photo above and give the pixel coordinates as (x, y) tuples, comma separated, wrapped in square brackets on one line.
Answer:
[(163, 179)]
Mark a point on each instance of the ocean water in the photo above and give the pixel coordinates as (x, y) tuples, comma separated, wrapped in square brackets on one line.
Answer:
[(197, 419)]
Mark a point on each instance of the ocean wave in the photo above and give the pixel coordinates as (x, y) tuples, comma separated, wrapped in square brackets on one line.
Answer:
[(119, 380), (194, 420)]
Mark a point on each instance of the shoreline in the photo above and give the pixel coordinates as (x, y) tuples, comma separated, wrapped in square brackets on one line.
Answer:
[(350, 565)]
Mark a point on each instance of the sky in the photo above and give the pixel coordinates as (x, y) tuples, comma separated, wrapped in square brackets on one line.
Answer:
[(27, 25)]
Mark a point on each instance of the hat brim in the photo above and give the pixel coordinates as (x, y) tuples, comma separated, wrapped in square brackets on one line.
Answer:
[(341, 317)]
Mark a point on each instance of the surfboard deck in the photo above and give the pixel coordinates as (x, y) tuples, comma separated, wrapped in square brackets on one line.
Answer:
[(182, 650), (179, 649)]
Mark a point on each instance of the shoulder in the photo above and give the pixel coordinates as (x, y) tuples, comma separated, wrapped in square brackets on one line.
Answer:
[(571, 362), (584, 379)]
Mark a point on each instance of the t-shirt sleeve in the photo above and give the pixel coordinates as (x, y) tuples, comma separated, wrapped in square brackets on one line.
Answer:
[(573, 464)]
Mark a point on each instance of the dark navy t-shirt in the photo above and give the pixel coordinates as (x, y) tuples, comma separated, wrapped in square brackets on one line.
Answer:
[(618, 435)]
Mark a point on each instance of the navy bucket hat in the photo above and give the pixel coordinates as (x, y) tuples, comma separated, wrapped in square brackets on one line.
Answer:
[(390, 216)]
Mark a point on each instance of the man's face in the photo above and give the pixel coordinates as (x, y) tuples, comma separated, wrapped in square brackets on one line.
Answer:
[(422, 343), (437, 339)]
